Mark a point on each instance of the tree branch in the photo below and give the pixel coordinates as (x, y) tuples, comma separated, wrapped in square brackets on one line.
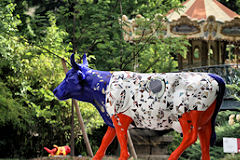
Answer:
[(155, 61), (121, 58), (47, 50), (142, 47)]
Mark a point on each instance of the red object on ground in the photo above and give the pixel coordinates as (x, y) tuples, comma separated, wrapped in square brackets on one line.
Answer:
[(63, 150)]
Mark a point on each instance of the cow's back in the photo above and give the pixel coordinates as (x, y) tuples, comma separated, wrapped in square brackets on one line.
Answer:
[(156, 101)]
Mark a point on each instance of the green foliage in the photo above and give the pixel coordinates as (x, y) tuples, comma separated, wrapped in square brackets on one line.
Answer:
[(94, 27), (8, 22), (235, 90), (233, 5), (234, 87), (29, 71), (231, 157), (9, 112), (158, 57), (92, 120)]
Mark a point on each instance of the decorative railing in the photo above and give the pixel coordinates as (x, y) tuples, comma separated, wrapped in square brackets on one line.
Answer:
[(230, 73)]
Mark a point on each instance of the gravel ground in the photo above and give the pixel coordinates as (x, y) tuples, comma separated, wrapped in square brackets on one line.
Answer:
[(71, 158)]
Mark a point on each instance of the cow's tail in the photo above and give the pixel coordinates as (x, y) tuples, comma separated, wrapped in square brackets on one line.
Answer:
[(219, 99)]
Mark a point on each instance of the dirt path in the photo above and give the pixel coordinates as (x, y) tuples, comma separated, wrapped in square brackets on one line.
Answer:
[(71, 158)]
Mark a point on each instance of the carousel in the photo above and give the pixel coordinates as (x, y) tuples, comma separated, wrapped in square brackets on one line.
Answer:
[(212, 30)]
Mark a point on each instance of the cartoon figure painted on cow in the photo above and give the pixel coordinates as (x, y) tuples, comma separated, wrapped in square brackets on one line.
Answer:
[(187, 102)]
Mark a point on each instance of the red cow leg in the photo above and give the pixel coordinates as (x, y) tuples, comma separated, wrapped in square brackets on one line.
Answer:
[(106, 141), (121, 123), (189, 124), (195, 116), (204, 135), (205, 131)]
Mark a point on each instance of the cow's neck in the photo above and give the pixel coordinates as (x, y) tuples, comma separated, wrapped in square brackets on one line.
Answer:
[(99, 81)]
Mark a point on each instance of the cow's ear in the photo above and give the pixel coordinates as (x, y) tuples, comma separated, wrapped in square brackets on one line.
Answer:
[(85, 62), (81, 75)]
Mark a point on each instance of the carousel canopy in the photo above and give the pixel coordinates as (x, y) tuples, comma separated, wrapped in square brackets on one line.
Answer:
[(204, 19), (197, 19), (201, 10)]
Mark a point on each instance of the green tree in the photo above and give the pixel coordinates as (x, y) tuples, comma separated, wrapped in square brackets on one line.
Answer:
[(233, 5), (94, 28), (31, 116), (36, 34)]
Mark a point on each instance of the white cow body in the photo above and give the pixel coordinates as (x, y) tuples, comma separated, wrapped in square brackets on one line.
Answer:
[(156, 101)]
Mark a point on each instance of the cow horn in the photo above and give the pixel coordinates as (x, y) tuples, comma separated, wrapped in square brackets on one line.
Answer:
[(85, 62), (74, 64)]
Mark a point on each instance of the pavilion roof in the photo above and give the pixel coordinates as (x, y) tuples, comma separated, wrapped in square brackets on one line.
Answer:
[(201, 9)]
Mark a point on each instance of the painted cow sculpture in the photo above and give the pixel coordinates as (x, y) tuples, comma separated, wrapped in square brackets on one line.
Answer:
[(56, 151), (187, 102)]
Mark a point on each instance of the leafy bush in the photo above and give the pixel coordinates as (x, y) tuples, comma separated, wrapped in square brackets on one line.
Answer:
[(31, 116), (231, 157)]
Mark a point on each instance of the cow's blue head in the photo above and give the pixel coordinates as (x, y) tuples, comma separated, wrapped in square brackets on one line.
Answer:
[(74, 85)]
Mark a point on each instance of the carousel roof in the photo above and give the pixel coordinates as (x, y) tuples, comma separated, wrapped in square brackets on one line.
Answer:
[(201, 10)]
